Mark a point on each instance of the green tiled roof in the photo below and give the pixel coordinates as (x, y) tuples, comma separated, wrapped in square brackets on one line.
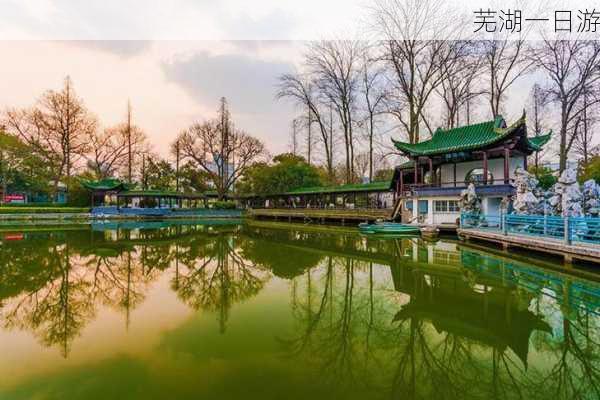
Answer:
[(537, 142), (467, 137), (159, 193), (363, 187), (105, 184), (407, 165)]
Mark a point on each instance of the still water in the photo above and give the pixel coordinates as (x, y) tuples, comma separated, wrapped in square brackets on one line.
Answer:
[(266, 311)]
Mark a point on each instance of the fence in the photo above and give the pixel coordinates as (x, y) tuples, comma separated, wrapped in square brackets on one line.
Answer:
[(568, 229), (166, 212)]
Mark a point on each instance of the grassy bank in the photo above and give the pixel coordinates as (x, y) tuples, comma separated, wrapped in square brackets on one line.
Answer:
[(42, 210)]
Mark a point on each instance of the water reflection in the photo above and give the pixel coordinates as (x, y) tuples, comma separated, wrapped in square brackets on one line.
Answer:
[(361, 317)]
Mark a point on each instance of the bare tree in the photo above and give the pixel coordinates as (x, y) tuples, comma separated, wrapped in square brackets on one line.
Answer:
[(584, 142), (56, 128), (335, 68), (460, 74), (298, 88), (373, 96), (572, 67), (414, 55), (114, 150), (203, 144), (505, 61), (537, 108)]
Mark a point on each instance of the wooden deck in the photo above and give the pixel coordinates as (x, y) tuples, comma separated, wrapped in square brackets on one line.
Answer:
[(585, 252), (321, 215)]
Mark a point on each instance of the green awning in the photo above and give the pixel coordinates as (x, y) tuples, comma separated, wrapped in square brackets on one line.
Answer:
[(105, 184), (364, 187), (160, 193), (469, 137)]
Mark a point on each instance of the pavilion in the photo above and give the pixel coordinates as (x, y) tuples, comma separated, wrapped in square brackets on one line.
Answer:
[(485, 154), (365, 195), (112, 191)]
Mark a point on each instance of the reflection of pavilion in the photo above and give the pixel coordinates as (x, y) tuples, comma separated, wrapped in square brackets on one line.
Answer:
[(483, 311)]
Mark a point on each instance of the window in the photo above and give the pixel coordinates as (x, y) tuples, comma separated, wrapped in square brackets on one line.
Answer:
[(453, 206), (476, 176), (446, 206), (408, 206)]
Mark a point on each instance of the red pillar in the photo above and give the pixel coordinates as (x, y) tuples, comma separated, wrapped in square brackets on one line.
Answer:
[(485, 168), (416, 165), (506, 168), (454, 174), (431, 170), (401, 183)]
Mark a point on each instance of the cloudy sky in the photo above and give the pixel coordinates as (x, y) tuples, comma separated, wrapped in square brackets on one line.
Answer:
[(175, 59), (170, 83)]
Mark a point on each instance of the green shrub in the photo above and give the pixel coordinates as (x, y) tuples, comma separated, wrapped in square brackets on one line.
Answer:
[(33, 205), (224, 205), (42, 210)]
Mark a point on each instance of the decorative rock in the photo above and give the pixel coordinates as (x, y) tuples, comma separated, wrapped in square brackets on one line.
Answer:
[(567, 197), (469, 202), (591, 196), (528, 195)]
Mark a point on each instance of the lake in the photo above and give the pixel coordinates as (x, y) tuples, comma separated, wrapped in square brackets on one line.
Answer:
[(230, 310)]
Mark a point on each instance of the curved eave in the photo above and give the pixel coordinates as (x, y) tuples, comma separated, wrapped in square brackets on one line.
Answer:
[(405, 148), (538, 142), (90, 186), (411, 150)]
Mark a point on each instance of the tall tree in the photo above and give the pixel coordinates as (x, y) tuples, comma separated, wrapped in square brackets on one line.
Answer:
[(505, 61), (224, 126), (415, 56), (288, 172), (374, 95), (113, 150), (56, 128), (299, 88), (537, 108), (461, 74), (584, 142), (335, 66), (572, 67), (203, 144)]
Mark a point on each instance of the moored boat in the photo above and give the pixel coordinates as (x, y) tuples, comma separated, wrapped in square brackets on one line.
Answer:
[(388, 228)]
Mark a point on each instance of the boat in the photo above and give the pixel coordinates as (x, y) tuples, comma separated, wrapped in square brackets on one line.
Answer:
[(388, 228)]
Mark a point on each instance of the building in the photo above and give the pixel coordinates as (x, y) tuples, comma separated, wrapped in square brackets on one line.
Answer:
[(377, 195), (485, 154)]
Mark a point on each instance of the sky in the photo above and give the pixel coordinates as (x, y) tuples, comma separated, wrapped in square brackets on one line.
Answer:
[(174, 60), (170, 84)]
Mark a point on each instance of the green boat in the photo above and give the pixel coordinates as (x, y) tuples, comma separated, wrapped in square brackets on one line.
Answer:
[(388, 228)]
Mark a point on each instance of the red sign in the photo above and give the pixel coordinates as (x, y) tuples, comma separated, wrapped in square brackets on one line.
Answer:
[(14, 198), (14, 236)]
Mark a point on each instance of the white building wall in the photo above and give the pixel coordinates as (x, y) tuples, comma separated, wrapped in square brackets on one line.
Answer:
[(432, 217), (495, 167), (491, 204)]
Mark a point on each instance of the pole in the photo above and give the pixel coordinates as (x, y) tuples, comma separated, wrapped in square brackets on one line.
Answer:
[(177, 166), (309, 136), (129, 155), (567, 231)]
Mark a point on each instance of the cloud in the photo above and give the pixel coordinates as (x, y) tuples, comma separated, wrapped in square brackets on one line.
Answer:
[(121, 48), (275, 24), (248, 83)]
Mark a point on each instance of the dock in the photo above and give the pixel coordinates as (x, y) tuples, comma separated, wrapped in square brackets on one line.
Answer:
[(320, 215), (570, 252)]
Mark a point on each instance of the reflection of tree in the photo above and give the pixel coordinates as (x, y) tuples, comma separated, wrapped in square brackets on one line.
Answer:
[(57, 311), (218, 278), (119, 280), (460, 335), (342, 319), (575, 370)]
